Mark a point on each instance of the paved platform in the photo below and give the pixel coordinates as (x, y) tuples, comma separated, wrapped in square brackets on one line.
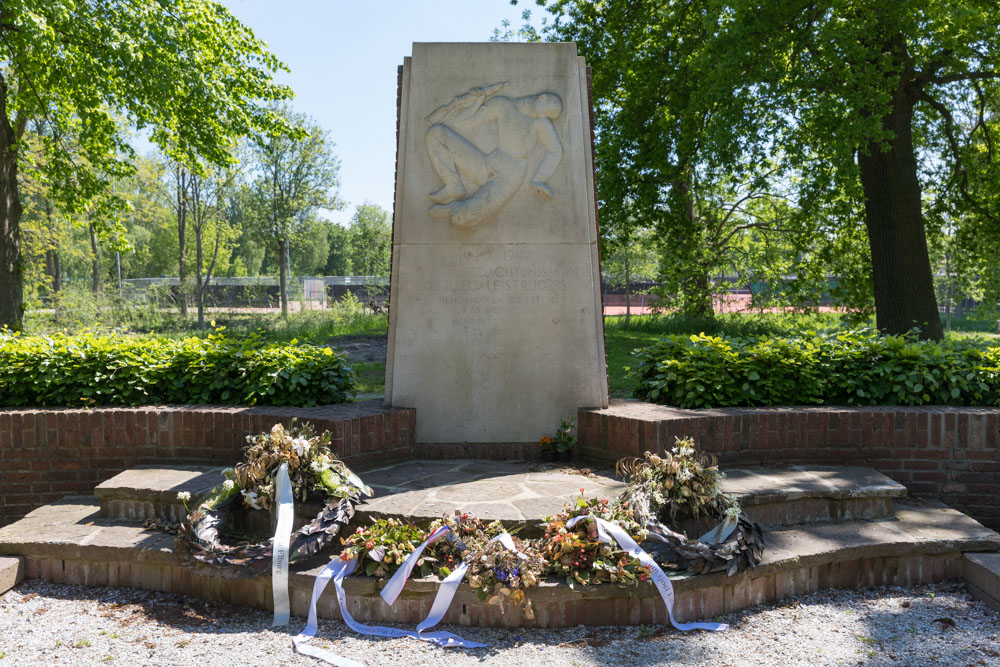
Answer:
[(523, 492), (69, 542)]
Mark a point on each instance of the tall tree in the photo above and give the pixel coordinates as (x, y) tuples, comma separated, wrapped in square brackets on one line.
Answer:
[(187, 69), (371, 240), (207, 196), (297, 175), (846, 94)]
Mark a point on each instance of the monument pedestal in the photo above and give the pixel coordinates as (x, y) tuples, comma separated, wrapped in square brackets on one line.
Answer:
[(495, 324)]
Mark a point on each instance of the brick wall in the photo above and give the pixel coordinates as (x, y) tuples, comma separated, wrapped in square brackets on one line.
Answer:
[(46, 454), (950, 453)]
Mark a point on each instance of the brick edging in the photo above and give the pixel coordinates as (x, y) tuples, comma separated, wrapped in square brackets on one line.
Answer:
[(951, 453), (48, 453)]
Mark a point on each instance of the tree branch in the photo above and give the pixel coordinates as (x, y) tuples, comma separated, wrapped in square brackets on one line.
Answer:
[(963, 76)]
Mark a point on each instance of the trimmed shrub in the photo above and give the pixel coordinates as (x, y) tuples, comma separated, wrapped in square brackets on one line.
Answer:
[(844, 368), (95, 370)]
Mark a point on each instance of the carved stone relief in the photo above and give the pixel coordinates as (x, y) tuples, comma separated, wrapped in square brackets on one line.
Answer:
[(478, 183)]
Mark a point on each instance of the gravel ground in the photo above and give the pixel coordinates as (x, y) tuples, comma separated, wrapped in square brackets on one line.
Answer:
[(49, 624)]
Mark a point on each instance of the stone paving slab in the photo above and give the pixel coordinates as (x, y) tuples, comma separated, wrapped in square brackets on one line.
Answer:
[(512, 492), (161, 484), (11, 572), (757, 486), (981, 572)]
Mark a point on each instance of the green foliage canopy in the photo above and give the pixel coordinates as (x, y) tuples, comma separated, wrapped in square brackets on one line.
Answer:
[(185, 70)]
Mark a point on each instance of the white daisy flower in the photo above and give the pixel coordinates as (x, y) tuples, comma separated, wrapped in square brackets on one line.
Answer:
[(228, 485), (184, 496)]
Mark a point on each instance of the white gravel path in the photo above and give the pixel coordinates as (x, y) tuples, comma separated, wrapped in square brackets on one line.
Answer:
[(49, 624)]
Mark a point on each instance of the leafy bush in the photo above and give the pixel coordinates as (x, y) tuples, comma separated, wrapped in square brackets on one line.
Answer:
[(92, 370), (843, 368)]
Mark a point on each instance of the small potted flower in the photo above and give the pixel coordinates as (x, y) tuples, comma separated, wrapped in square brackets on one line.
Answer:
[(547, 449), (565, 440)]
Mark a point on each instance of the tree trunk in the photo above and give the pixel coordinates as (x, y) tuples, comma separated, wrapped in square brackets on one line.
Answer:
[(53, 265), (901, 268), (199, 287), (696, 290), (283, 276), (11, 285), (181, 239), (628, 285), (95, 263)]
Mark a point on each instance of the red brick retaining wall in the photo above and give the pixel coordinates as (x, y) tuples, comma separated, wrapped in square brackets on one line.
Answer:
[(46, 454), (951, 453)]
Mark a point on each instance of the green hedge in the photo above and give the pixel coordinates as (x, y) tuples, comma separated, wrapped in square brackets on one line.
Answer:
[(844, 368), (93, 370)]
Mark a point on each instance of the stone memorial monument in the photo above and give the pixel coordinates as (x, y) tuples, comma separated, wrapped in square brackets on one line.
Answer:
[(495, 329)]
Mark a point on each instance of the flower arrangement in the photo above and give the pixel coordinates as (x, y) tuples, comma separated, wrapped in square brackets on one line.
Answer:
[(575, 554), (677, 488), (314, 471), (681, 483), (312, 467), (383, 546), (497, 574)]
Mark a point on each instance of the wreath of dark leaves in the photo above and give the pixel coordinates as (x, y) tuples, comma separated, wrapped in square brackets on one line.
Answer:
[(314, 471), (200, 536), (682, 485)]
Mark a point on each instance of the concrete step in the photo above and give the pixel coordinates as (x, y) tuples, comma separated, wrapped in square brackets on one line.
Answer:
[(518, 492), (981, 572), (11, 572), (69, 542), (812, 494)]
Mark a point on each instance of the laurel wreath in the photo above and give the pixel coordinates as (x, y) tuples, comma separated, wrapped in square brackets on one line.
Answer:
[(682, 484), (314, 472)]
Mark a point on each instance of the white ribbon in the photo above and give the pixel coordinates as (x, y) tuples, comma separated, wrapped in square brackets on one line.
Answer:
[(395, 584), (338, 569), (606, 529), (446, 592), (282, 537)]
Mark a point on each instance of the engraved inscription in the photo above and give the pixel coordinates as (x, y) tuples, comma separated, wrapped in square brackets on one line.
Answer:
[(477, 183), (485, 286)]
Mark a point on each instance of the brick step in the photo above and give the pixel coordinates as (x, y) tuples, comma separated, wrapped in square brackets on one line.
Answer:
[(517, 493), (69, 542)]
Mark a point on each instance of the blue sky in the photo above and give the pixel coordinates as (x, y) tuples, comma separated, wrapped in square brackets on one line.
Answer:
[(343, 58)]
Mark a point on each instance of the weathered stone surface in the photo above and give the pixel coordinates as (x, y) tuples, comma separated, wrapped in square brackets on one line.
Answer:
[(981, 572), (11, 572), (495, 332), (422, 490), (70, 543), (767, 485), (157, 484), (513, 492)]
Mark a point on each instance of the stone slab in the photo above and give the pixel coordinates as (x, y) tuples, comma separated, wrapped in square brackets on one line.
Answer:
[(159, 484), (758, 486), (70, 543), (521, 492), (11, 572), (517, 493), (981, 572), (495, 333)]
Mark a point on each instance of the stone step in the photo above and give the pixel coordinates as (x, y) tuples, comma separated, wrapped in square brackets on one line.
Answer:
[(11, 572), (69, 542), (812, 494), (981, 572), (518, 493)]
